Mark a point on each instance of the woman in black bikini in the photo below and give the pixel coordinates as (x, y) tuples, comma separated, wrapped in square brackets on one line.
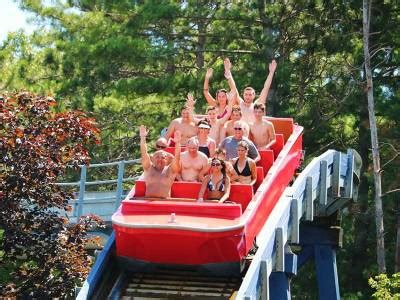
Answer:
[(206, 144), (245, 168), (218, 185)]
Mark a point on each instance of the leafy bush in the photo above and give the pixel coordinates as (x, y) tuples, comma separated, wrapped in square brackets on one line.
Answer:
[(386, 287), (44, 253)]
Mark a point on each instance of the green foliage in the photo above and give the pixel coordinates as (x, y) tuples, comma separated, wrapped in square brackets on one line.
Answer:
[(133, 62), (43, 254), (386, 287)]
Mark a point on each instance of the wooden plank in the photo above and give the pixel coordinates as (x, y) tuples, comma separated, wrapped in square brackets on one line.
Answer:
[(323, 192), (348, 184), (336, 175), (264, 280), (279, 250), (295, 221), (309, 199)]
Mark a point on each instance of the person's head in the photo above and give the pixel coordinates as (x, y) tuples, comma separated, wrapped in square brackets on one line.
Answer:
[(236, 113), (221, 97), (259, 110), (218, 165), (212, 112), (220, 154), (249, 94), (203, 127), (161, 143), (242, 149), (185, 113), (192, 146), (238, 128), (160, 159)]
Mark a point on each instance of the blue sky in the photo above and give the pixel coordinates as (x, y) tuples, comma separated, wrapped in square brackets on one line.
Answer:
[(12, 19)]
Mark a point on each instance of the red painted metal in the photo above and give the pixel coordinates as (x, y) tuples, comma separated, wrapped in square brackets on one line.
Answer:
[(182, 231)]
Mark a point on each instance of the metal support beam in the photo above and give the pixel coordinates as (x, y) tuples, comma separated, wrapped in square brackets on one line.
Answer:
[(320, 244), (327, 276), (281, 286)]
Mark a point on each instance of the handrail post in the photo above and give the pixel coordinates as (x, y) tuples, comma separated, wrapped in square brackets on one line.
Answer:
[(309, 199), (118, 195), (81, 191), (323, 191), (336, 175), (264, 274), (348, 186)]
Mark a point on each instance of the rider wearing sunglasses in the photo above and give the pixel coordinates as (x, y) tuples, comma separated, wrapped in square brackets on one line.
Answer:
[(217, 184), (230, 143)]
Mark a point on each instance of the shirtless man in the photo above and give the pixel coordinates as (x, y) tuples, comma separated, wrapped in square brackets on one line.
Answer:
[(185, 124), (194, 163), (262, 132), (161, 144), (230, 144), (157, 174), (228, 130), (246, 103)]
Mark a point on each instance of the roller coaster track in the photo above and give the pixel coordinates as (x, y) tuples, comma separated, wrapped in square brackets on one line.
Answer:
[(303, 226)]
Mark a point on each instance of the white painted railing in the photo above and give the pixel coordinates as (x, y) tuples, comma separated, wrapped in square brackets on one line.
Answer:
[(324, 187), (101, 203)]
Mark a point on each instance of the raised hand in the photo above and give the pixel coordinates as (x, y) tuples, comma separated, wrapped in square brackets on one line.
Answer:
[(272, 66), (227, 65), (177, 136), (143, 132), (209, 73), (190, 100)]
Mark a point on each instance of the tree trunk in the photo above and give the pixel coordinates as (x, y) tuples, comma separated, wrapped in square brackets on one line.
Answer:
[(362, 220), (380, 241)]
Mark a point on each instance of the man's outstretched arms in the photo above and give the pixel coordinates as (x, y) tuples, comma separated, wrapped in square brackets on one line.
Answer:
[(267, 84), (146, 161)]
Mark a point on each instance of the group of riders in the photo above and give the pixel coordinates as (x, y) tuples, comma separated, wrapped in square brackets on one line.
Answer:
[(222, 147)]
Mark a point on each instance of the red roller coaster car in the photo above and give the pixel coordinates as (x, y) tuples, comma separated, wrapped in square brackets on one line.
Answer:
[(182, 231)]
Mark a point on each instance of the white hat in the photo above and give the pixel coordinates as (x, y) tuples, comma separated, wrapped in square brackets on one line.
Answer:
[(202, 125)]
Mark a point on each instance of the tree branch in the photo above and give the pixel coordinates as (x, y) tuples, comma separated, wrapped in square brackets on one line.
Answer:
[(390, 192)]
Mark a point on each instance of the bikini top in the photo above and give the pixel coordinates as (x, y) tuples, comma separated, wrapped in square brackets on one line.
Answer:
[(246, 170), (220, 116), (205, 150), (211, 187)]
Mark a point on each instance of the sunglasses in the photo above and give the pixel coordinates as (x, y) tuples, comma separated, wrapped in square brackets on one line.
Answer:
[(215, 164), (237, 128), (161, 146)]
